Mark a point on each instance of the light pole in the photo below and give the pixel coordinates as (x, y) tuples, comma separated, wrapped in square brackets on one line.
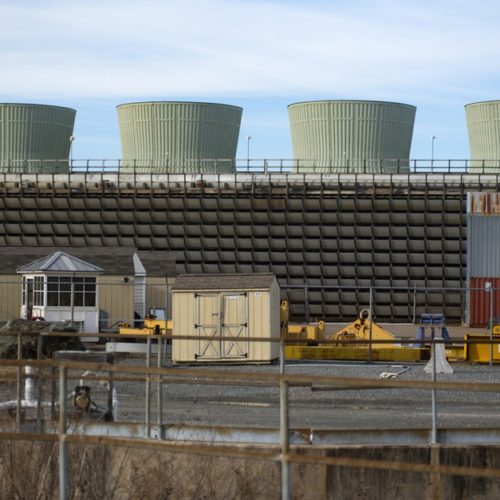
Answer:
[(71, 140), (249, 138), (433, 138)]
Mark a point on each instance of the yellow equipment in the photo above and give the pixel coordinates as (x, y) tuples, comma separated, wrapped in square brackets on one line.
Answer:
[(306, 331), (360, 330), (152, 326), (477, 348), (299, 331)]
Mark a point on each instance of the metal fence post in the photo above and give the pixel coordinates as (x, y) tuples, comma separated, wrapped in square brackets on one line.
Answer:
[(414, 304), (282, 355), (491, 324), (285, 466), (434, 394), (160, 385), (18, 386), (371, 326), (306, 302), (148, 389), (39, 348), (63, 464)]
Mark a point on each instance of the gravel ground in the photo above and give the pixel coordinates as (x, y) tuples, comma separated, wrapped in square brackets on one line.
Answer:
[(258, 405), (368, 408)]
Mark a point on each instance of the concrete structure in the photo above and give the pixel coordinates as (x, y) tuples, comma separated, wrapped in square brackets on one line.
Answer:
[(351, 136), (178, 137), (35, 137), (334, 231), (483, 124), (238, 307)]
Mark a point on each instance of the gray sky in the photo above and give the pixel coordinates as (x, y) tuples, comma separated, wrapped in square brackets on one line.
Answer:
[(262, 55)]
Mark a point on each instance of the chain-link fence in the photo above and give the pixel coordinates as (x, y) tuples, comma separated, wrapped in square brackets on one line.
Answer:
[(135, 305), (101, 303)]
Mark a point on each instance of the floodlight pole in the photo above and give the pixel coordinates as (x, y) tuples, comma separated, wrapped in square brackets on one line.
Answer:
[(249, 138), (433, 138)]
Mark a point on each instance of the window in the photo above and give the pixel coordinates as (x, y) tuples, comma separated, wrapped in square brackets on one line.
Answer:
[(38, 291), (85, 292), (59, 291), (33, 290)]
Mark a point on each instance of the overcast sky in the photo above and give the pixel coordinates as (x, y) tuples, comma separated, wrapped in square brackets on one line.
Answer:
[(262, 55)]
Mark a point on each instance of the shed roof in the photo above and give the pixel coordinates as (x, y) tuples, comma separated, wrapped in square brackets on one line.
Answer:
[(195, 282), (112, 260)]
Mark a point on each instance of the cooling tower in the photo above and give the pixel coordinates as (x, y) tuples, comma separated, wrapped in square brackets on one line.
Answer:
[(351, 136), (175, 137), (35, 137), (483, 124)]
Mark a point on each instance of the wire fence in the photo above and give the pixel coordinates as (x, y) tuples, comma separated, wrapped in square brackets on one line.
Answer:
[(103, 303)]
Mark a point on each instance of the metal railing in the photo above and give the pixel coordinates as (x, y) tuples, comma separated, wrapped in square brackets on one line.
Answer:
[(257, 166), (284, 454)]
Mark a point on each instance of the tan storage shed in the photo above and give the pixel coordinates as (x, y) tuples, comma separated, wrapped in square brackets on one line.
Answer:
[(211, 307)]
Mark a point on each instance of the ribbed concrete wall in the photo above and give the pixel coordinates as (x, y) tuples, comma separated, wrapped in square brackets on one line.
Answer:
[(345, 230), (35, 137), (179, 136), (483, 124), (351, 136)]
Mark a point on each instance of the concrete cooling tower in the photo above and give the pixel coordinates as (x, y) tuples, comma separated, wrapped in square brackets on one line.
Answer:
[(35, 137), (179, 137), (483, 124), (351, 136)]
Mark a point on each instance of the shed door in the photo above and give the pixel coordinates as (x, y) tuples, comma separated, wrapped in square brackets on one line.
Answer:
[(207, 326), (234, 323)]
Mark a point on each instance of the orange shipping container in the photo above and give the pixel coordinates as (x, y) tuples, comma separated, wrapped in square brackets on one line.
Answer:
[(479, 301)]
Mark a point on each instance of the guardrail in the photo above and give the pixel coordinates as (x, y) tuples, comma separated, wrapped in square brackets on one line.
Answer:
[(70, 370), (251, 165)]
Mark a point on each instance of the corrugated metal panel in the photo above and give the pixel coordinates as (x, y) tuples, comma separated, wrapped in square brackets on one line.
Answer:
[(351, 135), (483, 246), (483, 203), (176, 136), (483, 125), (33, 132), (10, 296), (479, 301), (116, 299)]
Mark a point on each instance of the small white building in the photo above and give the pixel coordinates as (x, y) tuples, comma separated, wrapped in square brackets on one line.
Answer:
[(61, 287), (225, 312), (98, 286)]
